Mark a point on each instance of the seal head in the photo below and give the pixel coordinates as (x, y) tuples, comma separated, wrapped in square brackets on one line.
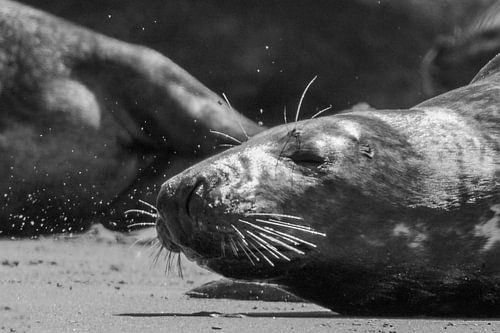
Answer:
[(366, 212)]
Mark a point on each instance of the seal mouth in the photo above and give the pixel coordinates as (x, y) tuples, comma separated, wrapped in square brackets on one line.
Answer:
[(165, 237)]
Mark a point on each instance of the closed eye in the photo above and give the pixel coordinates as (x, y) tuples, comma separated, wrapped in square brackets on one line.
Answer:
[(306, 157)]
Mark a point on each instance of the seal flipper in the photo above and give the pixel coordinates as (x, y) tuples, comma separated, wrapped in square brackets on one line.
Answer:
[(72, 97), (242, 290)]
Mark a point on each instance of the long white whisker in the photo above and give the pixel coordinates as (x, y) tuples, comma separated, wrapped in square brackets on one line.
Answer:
[(269, 246), (300, 240), (321, 111), (227, 145), (226, 136), (149, 205), (275, 215), (285, 236), (302, 98), (262, 254), (277, 241), (250, 251), (292, 226), (239, 233), (140, 211), (142, 224), (239, 116), (284, 114), (283, 223), (266, 229), (242, 246), (265, 245)]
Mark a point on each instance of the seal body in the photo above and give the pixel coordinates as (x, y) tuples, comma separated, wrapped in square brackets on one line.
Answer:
[(88, 124), (376, 212)]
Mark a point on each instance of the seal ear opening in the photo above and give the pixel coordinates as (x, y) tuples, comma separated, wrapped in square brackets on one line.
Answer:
[(491, 68), (367, 150)]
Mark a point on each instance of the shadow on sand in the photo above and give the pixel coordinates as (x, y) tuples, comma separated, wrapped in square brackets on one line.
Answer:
[(304, 314)]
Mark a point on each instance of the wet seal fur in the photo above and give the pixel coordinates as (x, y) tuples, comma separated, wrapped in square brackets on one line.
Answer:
[(381, 212), (90, 124)]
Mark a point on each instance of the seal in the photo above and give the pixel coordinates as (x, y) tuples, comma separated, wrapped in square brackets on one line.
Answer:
[(376, 212), (88, 124)]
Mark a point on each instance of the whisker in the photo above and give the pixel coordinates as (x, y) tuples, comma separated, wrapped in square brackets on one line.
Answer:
[(157, 256), (251, 224), (271, 249), (223, 247), (168, 259), (283, 223), (300, 240), (233, 247), (179, 266), (284, 114), (140, 211), (251, 252), (226, 136), (262, 254), (321, 111), (239, 233), (227, 145), (239, 116), (149, 205), (255, 226), (262, 243), (302, 98), (245, 252), (245, 243), (145, 240), (135, 244), (142, 224), (275, 215), (155, 242), (292, 226), (277, 241), (282, 235)]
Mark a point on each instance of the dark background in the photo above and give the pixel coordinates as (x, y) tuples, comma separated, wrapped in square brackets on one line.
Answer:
[(263, 53)]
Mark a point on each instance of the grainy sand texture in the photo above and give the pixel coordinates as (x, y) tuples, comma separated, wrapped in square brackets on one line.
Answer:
[(102, 282)]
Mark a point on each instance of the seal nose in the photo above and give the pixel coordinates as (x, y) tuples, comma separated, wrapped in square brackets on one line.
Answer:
[(173, 208)]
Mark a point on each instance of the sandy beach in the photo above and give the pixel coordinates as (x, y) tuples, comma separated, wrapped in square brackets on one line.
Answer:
[(103, 282)]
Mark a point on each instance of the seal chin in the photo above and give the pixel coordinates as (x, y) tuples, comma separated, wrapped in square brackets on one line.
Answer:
[(165, 237)]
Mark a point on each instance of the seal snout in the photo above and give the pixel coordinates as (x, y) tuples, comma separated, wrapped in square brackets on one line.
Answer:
[(177, 205), (173, 220)]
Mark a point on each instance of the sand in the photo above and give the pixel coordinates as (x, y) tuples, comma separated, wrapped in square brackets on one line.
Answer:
[(102, 282)]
